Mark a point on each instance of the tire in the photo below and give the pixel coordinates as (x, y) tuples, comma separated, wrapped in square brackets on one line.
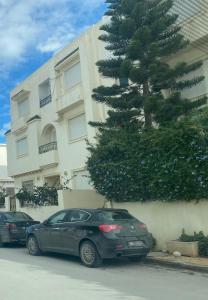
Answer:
[(1, 244), (89, 255), (137, 258), (32, 246)]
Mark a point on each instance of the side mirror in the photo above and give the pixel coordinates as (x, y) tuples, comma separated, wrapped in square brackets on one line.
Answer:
[(45, 223)]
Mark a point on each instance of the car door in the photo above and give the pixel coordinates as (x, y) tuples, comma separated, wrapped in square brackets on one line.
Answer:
[(74, 230), (50, 233)]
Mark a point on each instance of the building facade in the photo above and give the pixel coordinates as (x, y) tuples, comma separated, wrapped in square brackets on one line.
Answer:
[(6, 182), (51, 108), (50, 112)]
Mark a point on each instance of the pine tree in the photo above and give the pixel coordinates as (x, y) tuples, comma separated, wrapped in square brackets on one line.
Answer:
[(141, 35)]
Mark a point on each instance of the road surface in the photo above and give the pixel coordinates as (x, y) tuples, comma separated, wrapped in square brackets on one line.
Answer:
[(54, 277)]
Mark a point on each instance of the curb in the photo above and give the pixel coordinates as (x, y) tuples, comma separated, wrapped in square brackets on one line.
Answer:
[(177, 265)]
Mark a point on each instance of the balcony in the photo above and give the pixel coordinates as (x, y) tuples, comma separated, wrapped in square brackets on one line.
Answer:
[(48, 155), (48, 147), (45, 101), (71, 97)]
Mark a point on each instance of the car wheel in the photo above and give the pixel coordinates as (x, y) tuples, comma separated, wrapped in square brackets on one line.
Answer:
[(137, 258), (1, 244), (32, 246), (89, 255)]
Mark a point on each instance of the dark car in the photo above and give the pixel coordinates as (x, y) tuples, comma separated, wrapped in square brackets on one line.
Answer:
[(92, 234), (13, 227)]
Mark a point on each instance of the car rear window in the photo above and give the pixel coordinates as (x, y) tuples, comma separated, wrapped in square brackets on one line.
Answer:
[(17, 216), (113, 216)]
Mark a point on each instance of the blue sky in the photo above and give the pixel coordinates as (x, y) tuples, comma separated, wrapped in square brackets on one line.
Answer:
[(31, 32)]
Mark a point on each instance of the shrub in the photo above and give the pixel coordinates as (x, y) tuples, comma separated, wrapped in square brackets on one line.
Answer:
[(165, 164), (197, 237)]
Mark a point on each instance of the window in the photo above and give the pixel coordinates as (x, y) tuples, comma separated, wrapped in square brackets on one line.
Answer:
[(58, 218), (77, 127), (45, 93), (81, 180), (17, 216), (22, 147), (23, 108), (184, 9), (77, 216), (113, 216), (10, 191), (28, 185), (72, 76)]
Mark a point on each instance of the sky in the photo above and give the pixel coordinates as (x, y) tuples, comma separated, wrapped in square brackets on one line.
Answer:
[(31, 31)]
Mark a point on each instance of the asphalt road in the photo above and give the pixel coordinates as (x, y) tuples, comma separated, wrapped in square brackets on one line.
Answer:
[(54, 277)]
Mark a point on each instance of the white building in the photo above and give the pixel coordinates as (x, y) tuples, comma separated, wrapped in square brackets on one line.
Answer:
[(50, 112), (6, 182), (51, 108)]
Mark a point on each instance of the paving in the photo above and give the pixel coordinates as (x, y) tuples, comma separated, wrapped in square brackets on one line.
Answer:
[(63, 277), (199, 264)]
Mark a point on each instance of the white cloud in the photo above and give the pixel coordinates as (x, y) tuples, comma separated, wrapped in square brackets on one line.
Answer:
[(4, 129), (42, 25)]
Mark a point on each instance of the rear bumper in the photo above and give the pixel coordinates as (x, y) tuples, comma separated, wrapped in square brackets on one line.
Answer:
[(10, 237), (120, 248)]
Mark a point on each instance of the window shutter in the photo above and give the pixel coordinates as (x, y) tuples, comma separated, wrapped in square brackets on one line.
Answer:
[(72, 76), (77, 127)]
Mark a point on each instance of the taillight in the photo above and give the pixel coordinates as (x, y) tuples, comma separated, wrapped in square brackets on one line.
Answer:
[(142, 226), (10, 226), (109, 228)]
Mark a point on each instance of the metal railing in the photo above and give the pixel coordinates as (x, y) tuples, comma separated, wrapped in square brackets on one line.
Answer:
[(48, 147), (45, 100)]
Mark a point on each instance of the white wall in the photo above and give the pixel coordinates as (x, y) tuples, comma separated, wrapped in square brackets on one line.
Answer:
[(167, 220), (40, 213), (3, 155), (5, 180), (164, 220)]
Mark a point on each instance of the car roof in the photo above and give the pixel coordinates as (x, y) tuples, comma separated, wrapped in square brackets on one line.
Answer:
[(94, 210), (12, 212)]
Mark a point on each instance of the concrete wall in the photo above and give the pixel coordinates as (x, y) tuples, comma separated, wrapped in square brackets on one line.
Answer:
[(5, 180), (40, 213), (167, 220), (164, 220), (81, 199)]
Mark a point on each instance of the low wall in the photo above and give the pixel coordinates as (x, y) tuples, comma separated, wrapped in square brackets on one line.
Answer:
[(164, 220), (167, 220), (81, 199), (39, 213)]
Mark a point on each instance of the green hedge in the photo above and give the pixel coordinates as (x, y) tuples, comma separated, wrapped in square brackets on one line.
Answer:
[(197, 237), (165, 164)]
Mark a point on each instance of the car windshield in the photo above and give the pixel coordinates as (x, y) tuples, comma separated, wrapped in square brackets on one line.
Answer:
[(17, 216), (112, 216)]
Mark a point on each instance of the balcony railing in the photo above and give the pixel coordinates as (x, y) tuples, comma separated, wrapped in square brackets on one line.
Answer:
[(45, 100), (48, 147)]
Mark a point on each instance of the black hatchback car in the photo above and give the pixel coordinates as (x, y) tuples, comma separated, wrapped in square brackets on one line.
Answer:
[(92, 234), (13, 227)]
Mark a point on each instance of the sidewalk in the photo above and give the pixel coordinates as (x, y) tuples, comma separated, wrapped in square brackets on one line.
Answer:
[(198, 264)]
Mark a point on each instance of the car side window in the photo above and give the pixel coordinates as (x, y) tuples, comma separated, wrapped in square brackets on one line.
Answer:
[(77, 216), (57, 219)]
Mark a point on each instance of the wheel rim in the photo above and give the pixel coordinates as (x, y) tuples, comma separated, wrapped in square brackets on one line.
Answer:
[(88, 254), (32, 245)]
